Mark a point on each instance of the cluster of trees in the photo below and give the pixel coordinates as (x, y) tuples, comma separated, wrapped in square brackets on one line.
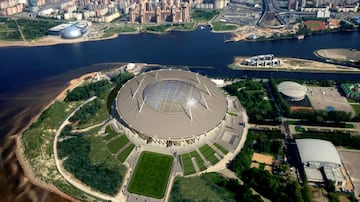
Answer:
[(121, 78), (270, 186), (259, 141), (273, 187), (35, 28), (87, 91), (251, 95), (86, 112), (99, 177), (337, 138)]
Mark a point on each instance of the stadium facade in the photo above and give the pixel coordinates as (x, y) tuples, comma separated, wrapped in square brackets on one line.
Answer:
[(170, 107)]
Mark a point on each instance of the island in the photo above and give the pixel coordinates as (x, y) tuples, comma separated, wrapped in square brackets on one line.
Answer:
[(271, 63)]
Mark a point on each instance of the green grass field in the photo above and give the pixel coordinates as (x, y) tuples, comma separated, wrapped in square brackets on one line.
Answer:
[(199, 160), (209, 154), (125, 153), (187, 164), (221, 148), (356, 108), (110, 133), (222, 26), (151, 175), (115, 145), (200, 188)]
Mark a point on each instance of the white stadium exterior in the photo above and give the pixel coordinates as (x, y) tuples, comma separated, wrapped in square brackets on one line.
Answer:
[(292, 90), (170, 106)]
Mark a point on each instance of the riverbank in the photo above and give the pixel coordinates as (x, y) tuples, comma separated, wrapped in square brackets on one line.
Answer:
[(294, 64), (52, 40)]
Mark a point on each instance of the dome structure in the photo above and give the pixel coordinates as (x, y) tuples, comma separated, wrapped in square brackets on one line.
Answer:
[(170, 104), (171, 96), (292, 90), (71, 33)]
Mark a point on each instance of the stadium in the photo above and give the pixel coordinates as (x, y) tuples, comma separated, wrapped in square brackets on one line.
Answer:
[(170, 107), (292, 90)]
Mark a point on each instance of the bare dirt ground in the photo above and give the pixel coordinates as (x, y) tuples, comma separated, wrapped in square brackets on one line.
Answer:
[(262, 158), (243, 32), (340, 54), (294, 64), (350, 159)]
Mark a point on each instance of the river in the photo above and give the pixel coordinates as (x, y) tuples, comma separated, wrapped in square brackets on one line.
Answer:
[(32, 76)]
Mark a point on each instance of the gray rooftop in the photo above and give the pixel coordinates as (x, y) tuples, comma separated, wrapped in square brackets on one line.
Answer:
[(317, 152), (292, 89)]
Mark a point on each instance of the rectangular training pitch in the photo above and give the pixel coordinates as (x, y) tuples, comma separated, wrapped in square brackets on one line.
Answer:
[(151, 174)]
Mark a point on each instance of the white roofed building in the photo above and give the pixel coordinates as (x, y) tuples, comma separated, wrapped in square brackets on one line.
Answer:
[(321, 161)]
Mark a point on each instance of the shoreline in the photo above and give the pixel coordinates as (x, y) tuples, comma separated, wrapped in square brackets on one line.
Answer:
[(20, 157)]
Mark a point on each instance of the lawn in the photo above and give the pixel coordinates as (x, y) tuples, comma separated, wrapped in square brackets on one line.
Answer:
[(110, 133), (200, 188), (222, 26), (199, 160), (221, 148), (117, 144), (356, 108), (187, 164), (151, 175), (125, 153), (209, 154)]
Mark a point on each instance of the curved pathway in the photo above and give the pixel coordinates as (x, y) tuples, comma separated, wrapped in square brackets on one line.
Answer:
[(68, 177)]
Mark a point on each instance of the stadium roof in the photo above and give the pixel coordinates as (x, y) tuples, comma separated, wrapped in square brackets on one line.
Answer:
[(292, 89), (317, 151), (171, 104)]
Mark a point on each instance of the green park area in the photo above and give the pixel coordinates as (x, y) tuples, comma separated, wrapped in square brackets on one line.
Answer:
[(203, 16), (252, 94), (221, 148), (187, 164), (119, 29), (151, 174), (356, 108), (30, 28), (223, 26), (199, 161), (118, 144), (209, 154)]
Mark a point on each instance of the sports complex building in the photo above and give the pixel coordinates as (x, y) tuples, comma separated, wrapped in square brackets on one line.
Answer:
[(171, 107), (292, 90)]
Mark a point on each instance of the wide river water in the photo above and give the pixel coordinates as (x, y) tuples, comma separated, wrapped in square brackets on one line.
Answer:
[(32, 76)]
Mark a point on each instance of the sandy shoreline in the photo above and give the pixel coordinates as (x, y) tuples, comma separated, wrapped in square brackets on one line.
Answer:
[(19, 147), (52, 40)]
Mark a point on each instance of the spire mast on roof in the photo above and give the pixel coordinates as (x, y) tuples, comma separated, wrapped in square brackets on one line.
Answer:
[(137, 89)]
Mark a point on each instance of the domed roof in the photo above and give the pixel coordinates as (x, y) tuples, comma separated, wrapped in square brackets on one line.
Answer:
[(71, 33), (292, 89), (171, 103), (171, 96)]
